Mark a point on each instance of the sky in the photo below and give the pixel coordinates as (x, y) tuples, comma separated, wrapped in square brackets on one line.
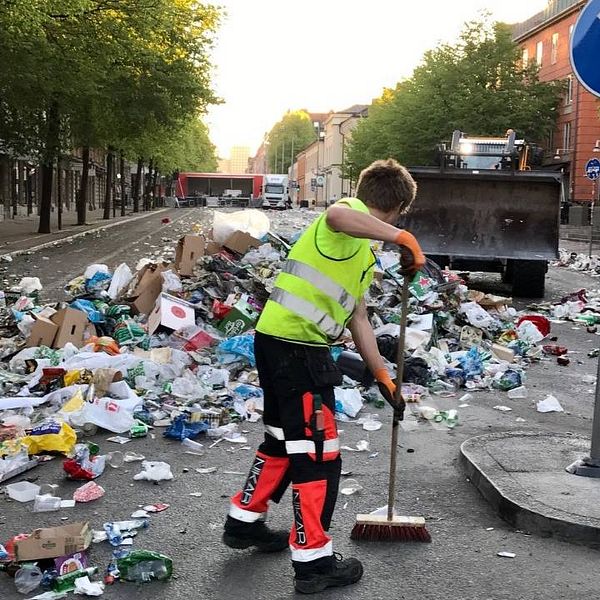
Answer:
[(272, 56)]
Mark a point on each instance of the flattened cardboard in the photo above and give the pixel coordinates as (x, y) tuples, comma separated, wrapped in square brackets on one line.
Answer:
[(189, 249), (172, 313), (72, 325), (240, 242), (43, 332), (53, 542)]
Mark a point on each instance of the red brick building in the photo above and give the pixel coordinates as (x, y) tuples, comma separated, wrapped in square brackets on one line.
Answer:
[(545, 39)]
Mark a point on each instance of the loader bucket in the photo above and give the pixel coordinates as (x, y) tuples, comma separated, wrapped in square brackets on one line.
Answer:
[(486, 214)]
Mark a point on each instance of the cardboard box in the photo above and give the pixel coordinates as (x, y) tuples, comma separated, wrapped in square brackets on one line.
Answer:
[(147, 289), (239, 319), (72, 325), (172, 313), (54, 542), (189, 249), (240, 242), (43, 332), (212, 248)]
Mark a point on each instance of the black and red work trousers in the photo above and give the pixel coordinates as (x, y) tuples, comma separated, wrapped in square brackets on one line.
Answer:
[(301, 444)]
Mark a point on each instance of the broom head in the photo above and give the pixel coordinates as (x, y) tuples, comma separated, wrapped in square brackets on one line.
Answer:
[(377, 528)]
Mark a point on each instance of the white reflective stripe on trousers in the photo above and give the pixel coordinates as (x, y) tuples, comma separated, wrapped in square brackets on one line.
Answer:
[(329, 287), (309, 311), (276, 432), (308, 446), (247, 516), (300, 555)]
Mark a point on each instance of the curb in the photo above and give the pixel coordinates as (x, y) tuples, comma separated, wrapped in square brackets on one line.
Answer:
[(80, 234), (517, 507)]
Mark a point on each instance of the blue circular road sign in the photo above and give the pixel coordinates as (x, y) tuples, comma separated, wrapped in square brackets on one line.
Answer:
[(585, 47), (592, 169)]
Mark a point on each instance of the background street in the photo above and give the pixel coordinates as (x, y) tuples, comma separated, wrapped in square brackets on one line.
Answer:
[(461, 563)]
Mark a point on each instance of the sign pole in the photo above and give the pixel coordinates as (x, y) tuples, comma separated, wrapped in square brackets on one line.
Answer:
[(585, 47), (592, 207)]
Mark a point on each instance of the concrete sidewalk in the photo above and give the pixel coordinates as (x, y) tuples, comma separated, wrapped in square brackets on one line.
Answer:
[(20, 234), (522, 475)]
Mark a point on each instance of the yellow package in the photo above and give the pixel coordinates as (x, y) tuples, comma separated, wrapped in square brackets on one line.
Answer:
[(51, 437), (75, 403)]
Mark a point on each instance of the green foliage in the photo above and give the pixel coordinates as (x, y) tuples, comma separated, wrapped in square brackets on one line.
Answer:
[(122, 74), (287, 138), (477, 85), (187, 149)]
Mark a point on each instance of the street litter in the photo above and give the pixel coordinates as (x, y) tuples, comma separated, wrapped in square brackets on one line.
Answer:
[(549, 404), (168, 345), (503, 408), (506, 554)]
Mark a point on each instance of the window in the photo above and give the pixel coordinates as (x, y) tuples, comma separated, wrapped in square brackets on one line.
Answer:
[(567, 137), (525, 58), (539, 53), (554, 56), (569, 91)]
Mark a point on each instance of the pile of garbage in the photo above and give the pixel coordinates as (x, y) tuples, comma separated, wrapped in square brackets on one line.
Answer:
[(579, 262), (169, 347)]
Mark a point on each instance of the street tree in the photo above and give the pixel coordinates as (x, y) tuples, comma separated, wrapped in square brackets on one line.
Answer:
[(287, 138), (99, 73), (478, 85)]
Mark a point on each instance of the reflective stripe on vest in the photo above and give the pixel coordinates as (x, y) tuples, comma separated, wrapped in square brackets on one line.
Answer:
[(308, 311), (276, 432), (308, 446), (326, 285)]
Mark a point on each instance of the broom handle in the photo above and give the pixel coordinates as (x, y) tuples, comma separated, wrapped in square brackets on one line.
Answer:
[(398, 397)]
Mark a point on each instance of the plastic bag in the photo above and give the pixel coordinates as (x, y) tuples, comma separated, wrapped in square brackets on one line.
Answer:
[(477, 316), (29, 285), (237, 346), (89, 308), (51, 437), (171, 282), (181, 428), (108, 414), (251, 221), (154, 471), (120, 281), (348, 401), (83, 466), (471, 363)]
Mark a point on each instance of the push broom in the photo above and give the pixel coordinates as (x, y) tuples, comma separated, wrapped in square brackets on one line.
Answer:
[(392, 528)]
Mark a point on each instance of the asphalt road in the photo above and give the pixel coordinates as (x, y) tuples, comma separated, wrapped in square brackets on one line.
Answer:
[(461, 563)]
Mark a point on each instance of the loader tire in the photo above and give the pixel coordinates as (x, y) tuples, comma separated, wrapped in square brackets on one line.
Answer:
[(529, 278)]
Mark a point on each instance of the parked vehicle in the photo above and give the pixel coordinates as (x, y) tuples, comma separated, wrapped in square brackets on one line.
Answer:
[(275, 191)]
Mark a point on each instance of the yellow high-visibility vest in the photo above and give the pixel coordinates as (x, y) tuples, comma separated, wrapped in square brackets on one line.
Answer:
[(321, 284)]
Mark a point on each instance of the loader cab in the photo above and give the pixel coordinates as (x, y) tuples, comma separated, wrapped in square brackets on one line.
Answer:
[(484, 153)]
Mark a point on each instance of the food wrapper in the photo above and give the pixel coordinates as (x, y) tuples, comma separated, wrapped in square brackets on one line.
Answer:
[(51, 437)]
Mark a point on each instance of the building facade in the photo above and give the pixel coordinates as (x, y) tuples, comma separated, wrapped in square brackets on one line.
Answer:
[(545, 39)]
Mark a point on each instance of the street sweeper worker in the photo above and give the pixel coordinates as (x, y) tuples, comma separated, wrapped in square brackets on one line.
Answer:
[(316, 296)]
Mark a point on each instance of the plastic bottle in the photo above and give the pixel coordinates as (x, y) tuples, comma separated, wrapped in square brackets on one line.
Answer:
[(115, 459), (66, 583), (28, 578), (46, 503), (142, 566)]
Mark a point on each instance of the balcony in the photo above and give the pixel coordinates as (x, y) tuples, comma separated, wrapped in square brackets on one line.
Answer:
[(554, 9)]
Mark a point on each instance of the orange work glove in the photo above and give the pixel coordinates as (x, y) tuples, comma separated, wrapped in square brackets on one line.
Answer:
[(388, 390), (411, 256)]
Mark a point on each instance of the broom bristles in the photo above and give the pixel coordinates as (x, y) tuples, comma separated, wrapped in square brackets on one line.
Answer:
[(375, 528)]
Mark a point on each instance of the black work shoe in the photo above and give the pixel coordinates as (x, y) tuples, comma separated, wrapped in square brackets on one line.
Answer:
[(330, 571), (240, 535)]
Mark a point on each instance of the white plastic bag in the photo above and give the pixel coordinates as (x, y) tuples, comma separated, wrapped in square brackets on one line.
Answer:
[(477, 316), (171, 282), (154, 471), (251, 221), (29, 285), (120, 281), (108, 414), (528, 332), (348, 401)]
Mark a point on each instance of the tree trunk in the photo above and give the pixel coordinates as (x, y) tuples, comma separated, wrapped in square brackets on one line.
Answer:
[(82, 198), (154, 195), (59, 195), (138, 185), (14, 187), (148, 185), (5, 185), (21, 178), (48, 160), (108, 188), (122, 180)]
